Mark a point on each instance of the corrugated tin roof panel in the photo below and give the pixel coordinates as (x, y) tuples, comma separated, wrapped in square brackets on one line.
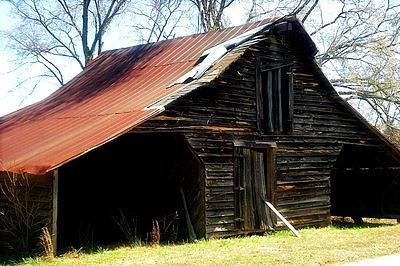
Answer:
[(105, 100)]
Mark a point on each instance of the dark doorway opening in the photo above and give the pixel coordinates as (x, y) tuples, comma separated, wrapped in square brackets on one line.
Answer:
[(365, 182), (126, 185)]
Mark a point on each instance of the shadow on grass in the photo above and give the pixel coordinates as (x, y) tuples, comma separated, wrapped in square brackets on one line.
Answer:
[(14, 259), (344, 223)]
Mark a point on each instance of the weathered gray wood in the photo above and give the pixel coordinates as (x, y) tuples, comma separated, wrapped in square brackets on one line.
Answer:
[(259, 96), (290, 100), (213, 118), (248, 193), (260, 190), (278, 95), (250, 176), (270, 106), (271, 180), (191, 233), (54, 210)]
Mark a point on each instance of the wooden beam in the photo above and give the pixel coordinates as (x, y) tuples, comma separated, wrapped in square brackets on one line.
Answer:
[(259, 96), (290, 100), (254, 144), (191, 233), (278, 94), (55, 210), (270, 172), (270, 105)]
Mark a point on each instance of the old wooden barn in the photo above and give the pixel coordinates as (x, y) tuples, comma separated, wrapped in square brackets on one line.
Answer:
[(228, 117)]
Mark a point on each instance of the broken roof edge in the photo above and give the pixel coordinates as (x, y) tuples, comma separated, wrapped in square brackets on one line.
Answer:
[(212, 55), (215, 71)]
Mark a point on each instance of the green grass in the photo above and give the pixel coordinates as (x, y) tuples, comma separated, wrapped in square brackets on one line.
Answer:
[(330, 245)]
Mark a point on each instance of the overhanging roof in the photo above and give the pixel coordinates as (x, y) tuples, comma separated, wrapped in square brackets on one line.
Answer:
[(116, 92)]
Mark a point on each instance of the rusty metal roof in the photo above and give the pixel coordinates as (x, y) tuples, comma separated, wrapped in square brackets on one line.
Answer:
[(117, 91)]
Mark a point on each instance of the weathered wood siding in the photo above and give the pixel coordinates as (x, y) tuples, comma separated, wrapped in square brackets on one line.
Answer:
[(193, 187), (39, 188), (28, 193), (212, 117)]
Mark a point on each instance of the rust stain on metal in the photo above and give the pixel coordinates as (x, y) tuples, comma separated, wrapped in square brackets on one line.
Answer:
[(108, 98)]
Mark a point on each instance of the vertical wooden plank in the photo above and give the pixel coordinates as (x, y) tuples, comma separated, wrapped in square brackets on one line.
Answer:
[(270, 110), (241, 188), (260, 191), (255, 184), (271, 178), (252, 189), (289, 74), (238, 182), (278, 91), (236, 185), (248, 195), (55, 210), (244, 206), (191, 233), (259, 96)]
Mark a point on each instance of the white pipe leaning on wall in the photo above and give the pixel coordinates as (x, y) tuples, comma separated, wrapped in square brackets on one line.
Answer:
[(294, 231)]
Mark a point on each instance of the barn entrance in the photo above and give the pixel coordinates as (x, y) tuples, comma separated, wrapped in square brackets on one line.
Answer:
[(254, 177), (117, 193), (365, 182)]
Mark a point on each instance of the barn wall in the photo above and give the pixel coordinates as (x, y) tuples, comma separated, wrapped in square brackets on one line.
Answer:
[(212, 117), (37, 190), (365, 183), (193, 187)]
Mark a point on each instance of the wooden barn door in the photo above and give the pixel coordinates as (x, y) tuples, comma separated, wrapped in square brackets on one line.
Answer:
[(254, 182)]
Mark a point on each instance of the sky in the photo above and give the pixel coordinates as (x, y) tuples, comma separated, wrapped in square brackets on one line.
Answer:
[(7, 81), (13, 97)]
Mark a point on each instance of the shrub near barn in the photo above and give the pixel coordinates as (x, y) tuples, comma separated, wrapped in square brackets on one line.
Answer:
[(23, 223)]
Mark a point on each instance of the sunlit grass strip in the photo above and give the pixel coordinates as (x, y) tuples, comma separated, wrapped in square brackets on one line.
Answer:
[(330, 245)]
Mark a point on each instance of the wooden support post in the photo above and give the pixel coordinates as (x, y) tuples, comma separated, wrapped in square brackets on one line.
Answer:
[(55, 210), (192, 234)]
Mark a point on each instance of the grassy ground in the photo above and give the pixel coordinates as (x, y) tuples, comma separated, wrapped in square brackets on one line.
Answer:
[(334, 244)]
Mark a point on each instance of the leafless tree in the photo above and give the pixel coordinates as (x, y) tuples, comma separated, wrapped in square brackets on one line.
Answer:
[(257, 9), (358, 41), (375, 87), (49, 31), (211, 13), (53, 40), (157, 19), (360, 48)]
